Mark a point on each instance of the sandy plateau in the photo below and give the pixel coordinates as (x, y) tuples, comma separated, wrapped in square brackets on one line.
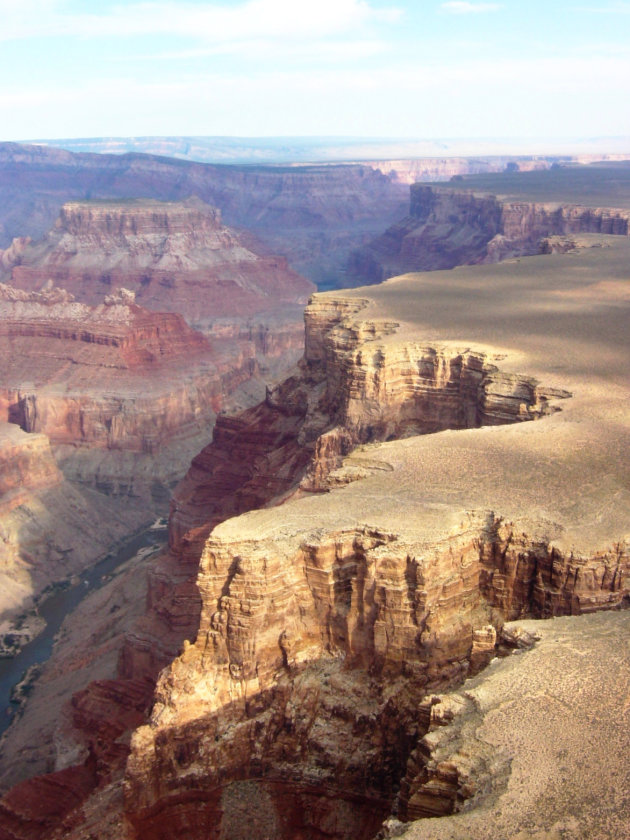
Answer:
[(325, 622)]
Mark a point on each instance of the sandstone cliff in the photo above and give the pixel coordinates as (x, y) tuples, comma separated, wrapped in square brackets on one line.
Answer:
[(319, 624), (315, 643), (174, 257), (447, 227)]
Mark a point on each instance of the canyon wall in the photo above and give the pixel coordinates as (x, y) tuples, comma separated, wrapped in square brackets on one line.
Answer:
[(176, 257), (47, 527), (312, 215), (315, 644), (114, 378), (447, 227), (370, 574)]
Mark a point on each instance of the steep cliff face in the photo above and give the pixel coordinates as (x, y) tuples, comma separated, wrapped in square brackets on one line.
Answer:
[(114, 378), (314, 649), (313, 215), (446, 228), (302, 686), (174, 257)]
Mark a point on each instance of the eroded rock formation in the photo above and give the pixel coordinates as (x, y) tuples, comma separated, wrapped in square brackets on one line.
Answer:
[(321, 620), (313, 215), (174, 257), (447, 227), (315, 640), (134, 385)]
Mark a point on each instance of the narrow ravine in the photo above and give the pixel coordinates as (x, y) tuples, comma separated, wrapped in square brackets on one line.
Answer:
[(55, 608)]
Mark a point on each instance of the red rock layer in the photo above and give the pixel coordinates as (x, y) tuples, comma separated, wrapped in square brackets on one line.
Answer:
[(114, 376), (174, 257)]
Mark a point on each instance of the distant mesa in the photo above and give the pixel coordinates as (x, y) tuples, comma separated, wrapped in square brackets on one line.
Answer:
[(171, 256)]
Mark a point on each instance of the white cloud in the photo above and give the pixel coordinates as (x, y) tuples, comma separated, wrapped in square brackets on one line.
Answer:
[(207, 22), (460, 7), (322, 52)]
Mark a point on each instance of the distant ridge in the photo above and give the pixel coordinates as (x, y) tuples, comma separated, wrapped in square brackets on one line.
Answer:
[(245, 150)]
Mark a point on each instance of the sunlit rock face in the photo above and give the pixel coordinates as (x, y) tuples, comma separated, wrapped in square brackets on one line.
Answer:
[(448, 227), (315, 646), (176, 257)]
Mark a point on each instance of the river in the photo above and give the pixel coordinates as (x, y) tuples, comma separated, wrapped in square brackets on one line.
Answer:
[(60, 604)]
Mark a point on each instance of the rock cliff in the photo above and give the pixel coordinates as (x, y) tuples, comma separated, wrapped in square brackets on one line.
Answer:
[(315, 644), (312, 215), (176, 257), (407, 508), (448, 227), (140, 387)]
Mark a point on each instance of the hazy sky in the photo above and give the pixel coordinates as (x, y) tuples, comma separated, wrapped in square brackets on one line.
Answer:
[(519, 68)]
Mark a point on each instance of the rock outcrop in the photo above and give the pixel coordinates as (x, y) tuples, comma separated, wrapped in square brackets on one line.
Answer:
[(510, 751), (139, 387), (447, 227), (175, 257), (315, 645)]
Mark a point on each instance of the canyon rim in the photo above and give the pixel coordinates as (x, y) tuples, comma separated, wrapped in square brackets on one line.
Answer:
[(441, 479)]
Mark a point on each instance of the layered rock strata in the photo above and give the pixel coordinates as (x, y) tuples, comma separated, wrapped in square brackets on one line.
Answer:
[(447, 227), (313, 215), (324, 621), (139, 387), (176, 257)]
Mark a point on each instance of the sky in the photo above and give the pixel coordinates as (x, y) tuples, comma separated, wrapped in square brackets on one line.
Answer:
[(354, 68)]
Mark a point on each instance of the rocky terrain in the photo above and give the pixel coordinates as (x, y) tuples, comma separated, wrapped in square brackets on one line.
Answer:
[(47, 528), (326, 621), (313, 215), (141, 388), (465, 223), (450, 455), (126, 396), (175, 257)]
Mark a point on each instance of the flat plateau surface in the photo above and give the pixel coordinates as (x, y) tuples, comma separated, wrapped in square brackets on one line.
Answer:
[(595, 185), (559, 715), (562, 319)]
